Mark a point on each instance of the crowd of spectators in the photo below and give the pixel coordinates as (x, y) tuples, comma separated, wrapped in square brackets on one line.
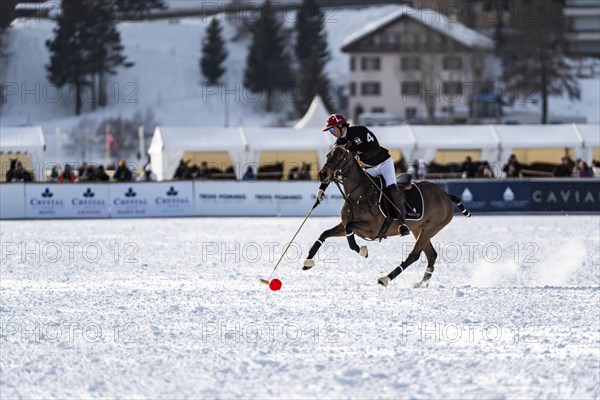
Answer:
[(577, 169), (187, 171), (419, 169)]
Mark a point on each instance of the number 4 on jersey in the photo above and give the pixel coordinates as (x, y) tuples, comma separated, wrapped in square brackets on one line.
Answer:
[(370, 138)]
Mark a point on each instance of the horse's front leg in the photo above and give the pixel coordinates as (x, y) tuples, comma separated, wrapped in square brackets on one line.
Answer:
[(337, 230), (362, 250)]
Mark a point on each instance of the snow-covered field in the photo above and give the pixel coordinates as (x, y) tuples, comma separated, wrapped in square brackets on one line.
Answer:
[(173, 309)]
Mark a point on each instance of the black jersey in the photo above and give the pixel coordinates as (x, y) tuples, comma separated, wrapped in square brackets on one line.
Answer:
[(365, 144)]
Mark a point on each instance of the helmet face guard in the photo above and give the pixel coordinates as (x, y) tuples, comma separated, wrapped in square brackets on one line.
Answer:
[(334, 120)]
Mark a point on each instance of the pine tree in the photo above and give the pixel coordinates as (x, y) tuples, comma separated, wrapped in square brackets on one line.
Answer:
[(213, 53), (86, 48), (312, 55), (312, 82), (310, 33), (536, 62), (106, 50), (69, 63), (267, 64)]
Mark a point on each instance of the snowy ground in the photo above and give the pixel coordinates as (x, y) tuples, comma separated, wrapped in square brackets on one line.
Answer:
[(177, 312)]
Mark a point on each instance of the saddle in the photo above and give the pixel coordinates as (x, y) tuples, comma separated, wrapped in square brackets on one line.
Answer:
[(413, 201)]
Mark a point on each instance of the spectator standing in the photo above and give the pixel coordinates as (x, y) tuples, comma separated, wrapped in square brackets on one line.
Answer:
[(203, 171), (11, 170), (512, 168), (67, 176), (54, 174), (468, 169), (582, 170), (19, 174), (249, 175), (181, 171), (485, 171), (123, 174), (101, 175), (564, 169)]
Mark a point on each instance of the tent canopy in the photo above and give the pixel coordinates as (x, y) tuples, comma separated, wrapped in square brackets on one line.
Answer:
[(455, 137), (285, 139), (197, 139), (537, 136), (416, 142), (590, 135), (25, 138), (316, 115)]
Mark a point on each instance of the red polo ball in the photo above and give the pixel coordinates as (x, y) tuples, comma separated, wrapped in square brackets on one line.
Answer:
[(275, 284)]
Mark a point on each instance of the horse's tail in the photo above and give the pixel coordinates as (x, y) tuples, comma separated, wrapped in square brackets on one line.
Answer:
[(459, 205)]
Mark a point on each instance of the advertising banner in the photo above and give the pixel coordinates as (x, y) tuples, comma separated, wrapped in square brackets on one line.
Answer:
[(581, 195), (12, 200), (151, 199), (492, 196), (263, 199), (66, 200)]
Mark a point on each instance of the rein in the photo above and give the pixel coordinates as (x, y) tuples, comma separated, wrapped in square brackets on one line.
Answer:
[(337, 171)]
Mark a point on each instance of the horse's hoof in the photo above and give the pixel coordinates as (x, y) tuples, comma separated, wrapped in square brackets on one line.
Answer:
[(364, 251), (421, 284), (308, 264), (384, 281)]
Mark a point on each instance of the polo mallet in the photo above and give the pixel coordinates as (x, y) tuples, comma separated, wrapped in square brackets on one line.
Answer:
[(267, 281)]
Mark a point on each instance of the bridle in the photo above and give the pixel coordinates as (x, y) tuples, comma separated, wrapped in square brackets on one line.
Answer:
[(340, 170)]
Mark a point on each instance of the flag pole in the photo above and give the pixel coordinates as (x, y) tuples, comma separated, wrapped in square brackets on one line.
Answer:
[(107, 145)]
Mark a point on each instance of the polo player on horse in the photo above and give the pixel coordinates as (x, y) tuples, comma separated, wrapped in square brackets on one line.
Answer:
[(375, 159)]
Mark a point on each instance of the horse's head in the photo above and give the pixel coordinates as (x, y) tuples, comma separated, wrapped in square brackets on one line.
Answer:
[(338, 162)]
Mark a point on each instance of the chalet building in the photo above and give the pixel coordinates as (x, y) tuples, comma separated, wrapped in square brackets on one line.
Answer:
[(583, 27), (420, 66)]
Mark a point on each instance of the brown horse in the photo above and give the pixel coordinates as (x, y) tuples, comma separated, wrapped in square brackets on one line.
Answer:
[(361, 214)]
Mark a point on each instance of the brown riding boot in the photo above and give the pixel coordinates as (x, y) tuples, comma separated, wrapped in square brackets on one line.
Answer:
[(397, 197)]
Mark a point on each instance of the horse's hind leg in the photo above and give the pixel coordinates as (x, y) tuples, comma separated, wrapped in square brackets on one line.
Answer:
[(337, 230), (431, 255), (412, 257)]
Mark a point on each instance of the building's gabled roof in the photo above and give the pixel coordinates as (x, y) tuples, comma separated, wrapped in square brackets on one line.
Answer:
[(430, 18)]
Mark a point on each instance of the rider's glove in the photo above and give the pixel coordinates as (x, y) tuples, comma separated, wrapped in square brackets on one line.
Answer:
[(320, 195)]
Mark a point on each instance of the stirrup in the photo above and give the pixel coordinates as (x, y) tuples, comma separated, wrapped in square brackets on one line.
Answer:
[(403, 230)]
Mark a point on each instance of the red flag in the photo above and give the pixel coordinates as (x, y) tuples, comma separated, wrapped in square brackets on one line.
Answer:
[(110, 140)]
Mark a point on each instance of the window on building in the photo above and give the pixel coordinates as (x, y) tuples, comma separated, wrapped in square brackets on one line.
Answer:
[(410, 112), (411, 63), (370, 64), (452, 63), (452, 90), (352, 88), (377, 110), (352, 63), (411, 88), (370, 88)]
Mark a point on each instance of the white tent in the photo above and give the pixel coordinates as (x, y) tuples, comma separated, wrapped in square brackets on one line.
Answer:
[(170, 143), (398, 137), (429, 139), (537, 136), (26, 139), (316, 115), (495, 142), (590, 135), (285, 139)]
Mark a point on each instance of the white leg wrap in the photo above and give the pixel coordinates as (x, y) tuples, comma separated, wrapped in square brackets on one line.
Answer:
[(364, 251)]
